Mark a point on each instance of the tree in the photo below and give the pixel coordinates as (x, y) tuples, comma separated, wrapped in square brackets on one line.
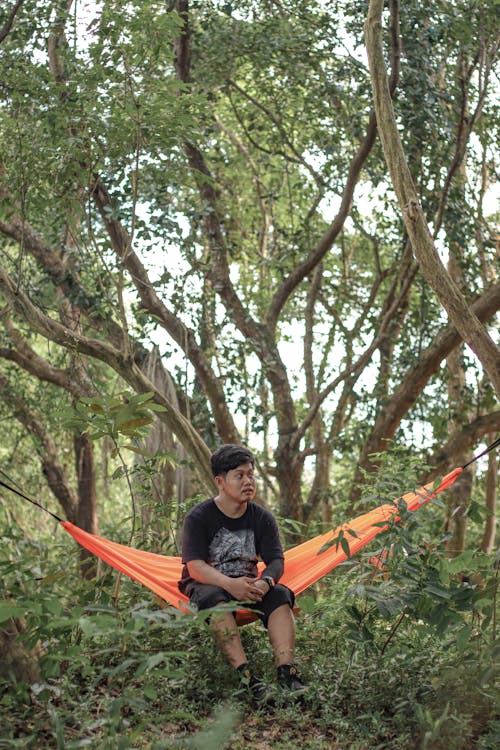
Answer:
[(195, 176), (466, 323)]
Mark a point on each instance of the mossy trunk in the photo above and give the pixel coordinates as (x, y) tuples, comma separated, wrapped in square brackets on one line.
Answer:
[(18, 663)]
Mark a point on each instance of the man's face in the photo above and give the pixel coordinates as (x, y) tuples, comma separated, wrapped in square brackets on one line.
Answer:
[(238, 484)]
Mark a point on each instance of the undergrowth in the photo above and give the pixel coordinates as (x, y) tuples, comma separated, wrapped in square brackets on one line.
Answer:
[(397, 657), (129, 674)]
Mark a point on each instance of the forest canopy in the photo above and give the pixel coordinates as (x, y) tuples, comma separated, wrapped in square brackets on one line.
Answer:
[(195, 203)]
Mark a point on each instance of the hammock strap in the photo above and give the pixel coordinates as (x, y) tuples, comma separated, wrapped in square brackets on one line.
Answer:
[(25, 497), (483, 453)]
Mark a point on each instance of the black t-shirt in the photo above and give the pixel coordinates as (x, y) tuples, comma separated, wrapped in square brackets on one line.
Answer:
[(231, 545)]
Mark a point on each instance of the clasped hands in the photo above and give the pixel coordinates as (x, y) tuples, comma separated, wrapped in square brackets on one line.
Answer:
[(246, 589)]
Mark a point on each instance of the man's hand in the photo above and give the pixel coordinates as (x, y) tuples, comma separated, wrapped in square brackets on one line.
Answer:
[(246, 589), (263, 586)]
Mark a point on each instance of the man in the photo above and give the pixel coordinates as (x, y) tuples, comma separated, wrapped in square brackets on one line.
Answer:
[(223, 537)]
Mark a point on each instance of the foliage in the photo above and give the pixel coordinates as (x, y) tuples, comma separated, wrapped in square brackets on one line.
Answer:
[(126, 415), (195, 212), (403, 654), (213, 185)]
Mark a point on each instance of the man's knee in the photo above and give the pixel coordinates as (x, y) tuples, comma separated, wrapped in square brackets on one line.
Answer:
[(277, 597), (206, 596), (280, 595)]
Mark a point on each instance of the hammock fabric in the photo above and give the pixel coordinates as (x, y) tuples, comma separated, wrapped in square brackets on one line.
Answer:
[(304, 564)]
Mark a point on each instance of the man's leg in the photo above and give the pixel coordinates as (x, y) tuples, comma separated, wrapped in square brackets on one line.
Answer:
[(228, 638), (281, 629)]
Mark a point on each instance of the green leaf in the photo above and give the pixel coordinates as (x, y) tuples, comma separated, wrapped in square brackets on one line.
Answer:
[(463, 637), (9, 609), (438, 591), (156, 407), (139, 451), (460, 562), (150, 663), (130, 424), (345, 547), (54, 606), (307, 604)]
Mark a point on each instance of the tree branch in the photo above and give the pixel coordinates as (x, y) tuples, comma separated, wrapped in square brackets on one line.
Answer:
[(6, 28), (329, 237), (354, 370), (467, 324), (181, 334), (259, 335), (26, 358), (459, 441), (128, 370), (413, 383), (46, 448)]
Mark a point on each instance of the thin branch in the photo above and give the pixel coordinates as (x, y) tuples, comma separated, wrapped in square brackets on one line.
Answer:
[(297, 158), (260, 188), (6, 28), (464, 129), (329, 237), (356, 368)]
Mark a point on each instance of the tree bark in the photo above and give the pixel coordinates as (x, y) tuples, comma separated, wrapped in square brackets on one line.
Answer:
[(488, 540), (16, 661), (87, 500), (460, 314)]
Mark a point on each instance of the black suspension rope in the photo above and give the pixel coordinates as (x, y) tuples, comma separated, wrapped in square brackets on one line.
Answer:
[(483, 453), (489, 448), (25, 497)]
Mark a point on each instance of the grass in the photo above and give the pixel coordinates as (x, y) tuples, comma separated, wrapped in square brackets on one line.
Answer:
[(138, 676), (144, 684)]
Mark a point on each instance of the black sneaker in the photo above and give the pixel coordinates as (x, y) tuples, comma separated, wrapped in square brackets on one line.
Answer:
[(289, 679), (256, 688)]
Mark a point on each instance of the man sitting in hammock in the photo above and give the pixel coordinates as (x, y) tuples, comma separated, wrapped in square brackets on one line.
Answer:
[(222, 540)]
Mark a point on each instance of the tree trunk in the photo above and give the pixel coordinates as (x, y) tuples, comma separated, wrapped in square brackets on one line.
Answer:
[(17, 662), (288, 474), (87, 500), (460, 314), (458, 500), (488, 541), (319, 496)]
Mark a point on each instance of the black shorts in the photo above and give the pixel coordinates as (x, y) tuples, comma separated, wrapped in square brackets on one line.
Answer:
[(206, 596)]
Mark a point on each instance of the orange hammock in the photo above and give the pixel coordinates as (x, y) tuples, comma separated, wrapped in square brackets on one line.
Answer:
[(304, 564)]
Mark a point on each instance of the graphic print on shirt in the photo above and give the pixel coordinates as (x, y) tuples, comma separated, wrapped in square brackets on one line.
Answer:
[(233, 552)]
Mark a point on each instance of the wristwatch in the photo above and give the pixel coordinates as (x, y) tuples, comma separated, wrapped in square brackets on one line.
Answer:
[(269, 581)]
